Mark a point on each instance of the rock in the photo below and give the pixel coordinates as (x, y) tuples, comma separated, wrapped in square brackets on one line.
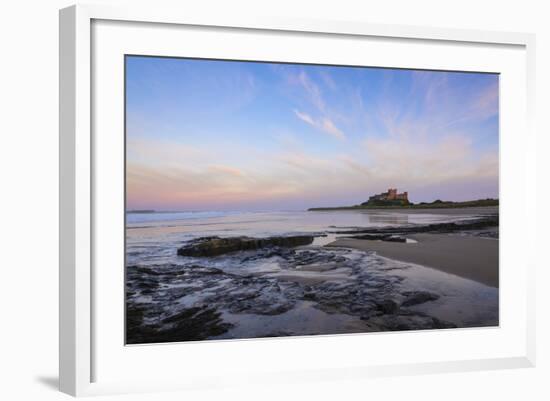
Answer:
[(270, 252), (480, 223), (197, 299), (381, 237), (441, 324), (387, 306), (418, 297), (214, 246), (146, 270), (192, 324), (152, 323)]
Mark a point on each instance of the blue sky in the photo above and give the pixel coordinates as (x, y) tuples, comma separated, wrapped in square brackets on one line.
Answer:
[(205, 134)]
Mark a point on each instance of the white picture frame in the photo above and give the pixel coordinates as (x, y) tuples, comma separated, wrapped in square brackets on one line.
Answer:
[(78, 161)]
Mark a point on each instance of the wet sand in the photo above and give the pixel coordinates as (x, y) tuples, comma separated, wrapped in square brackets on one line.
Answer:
[(470, 257)]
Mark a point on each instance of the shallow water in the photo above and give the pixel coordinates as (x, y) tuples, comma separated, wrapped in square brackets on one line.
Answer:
[(154, 237)]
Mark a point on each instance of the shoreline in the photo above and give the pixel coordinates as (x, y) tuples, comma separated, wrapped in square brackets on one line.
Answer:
[(473, 258), (471, 210), (409, 208)]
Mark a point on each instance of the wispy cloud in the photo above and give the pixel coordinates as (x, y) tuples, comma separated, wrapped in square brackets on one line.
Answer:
[(305, 117), (229, 170), (328, 80), (301, 176), (322, 116), (427, 161), (323, 124), (446, 105), (486, 105), (313, 91), (329, 127)]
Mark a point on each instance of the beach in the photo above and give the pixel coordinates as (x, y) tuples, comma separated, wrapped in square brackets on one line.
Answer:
[(474, 258), (193, 276)]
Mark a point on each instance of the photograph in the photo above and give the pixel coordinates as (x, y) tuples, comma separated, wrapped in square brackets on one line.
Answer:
[(275, 199)]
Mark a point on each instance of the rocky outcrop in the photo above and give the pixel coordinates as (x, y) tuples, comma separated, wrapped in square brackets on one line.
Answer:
[(190, 324), (214, 246), (476, 224), (418, 297), (381, 237), (387, 306), (208, 298)]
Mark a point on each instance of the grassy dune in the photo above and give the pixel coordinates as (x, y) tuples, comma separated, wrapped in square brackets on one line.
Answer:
[(438, 204)]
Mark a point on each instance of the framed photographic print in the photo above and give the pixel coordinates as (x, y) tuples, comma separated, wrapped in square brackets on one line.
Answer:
[(240, 191)]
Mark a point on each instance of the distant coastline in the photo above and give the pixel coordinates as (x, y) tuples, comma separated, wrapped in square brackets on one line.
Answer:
[(150, 211), (437, 204)]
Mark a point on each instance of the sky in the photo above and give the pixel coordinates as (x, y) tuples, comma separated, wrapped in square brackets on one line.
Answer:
[(238, 135)]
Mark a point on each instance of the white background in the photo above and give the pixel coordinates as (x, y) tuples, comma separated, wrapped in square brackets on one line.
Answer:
[(231, 360), (29, 185)]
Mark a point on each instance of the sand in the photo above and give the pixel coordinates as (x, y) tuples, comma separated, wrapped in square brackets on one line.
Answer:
[(470, 257)]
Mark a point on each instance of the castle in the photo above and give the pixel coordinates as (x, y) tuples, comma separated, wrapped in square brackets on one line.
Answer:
[(391, 194), (391, 197)]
